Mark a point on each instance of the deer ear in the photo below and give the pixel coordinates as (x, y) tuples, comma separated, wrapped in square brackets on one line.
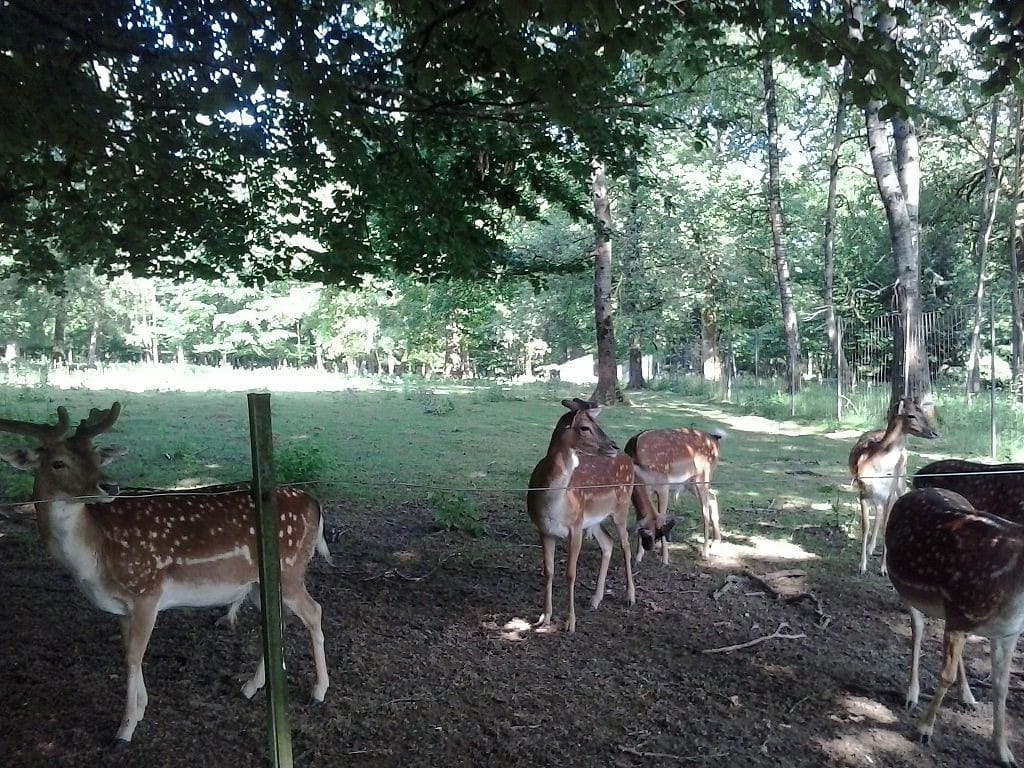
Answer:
[(110, 453), (24, 459)]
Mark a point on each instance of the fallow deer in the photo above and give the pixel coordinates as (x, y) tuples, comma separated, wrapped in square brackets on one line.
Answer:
[(953, 562), (878, 463), (997, 488), (582, 480), (135, 555), (669, 461)]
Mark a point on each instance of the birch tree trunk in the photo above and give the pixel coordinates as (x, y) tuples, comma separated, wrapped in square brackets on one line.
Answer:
[(606, 392), (986, 220), (58, 350), (777, 224)]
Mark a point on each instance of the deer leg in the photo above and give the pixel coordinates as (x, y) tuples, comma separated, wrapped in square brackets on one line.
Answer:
[(137, 629), (1002, 657), (310, 614), (547, 544), (916, 631), (259, 677), (865, 532), (952, 651), (661, 492), (702, 492), (575, 545), (620, 523), (965, 687), (605, 542)]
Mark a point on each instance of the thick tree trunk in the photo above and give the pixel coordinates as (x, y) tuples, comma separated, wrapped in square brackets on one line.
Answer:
[(986, 220), (606, 392), (828, 242), (777, 224)]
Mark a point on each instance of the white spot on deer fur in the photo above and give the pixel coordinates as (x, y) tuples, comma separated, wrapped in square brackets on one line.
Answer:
[(252, 531)]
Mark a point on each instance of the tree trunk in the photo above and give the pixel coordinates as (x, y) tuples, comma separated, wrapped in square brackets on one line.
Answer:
[(58, 352), (92, 358), (710, 349), (986, 220), (606, 392), (1016, 248), (828, 243), (775, 220), (633, 286)]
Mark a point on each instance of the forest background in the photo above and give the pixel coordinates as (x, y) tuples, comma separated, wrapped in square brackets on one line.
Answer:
[(390, 189)]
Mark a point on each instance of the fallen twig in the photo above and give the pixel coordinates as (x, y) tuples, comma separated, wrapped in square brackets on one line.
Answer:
[(395, 573), (670, 756), (778, 634)]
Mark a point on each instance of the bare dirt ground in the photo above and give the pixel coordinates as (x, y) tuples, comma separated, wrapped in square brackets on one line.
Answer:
[(430, 666)]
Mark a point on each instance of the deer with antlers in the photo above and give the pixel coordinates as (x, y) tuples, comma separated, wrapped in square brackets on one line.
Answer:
[(581, 481), (135, 555), (965, 566), (878, 463), (670, 461)]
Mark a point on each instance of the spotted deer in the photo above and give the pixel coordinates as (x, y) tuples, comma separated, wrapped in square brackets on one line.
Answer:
[(136, 554), (964, 566), (669, 461), (581, 481), (878, 463), (990, 487)]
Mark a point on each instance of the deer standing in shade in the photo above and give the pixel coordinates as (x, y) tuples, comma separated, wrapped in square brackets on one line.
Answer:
[(964, 566), (583, 480), (135, 555), (878, 463), (669, 461)]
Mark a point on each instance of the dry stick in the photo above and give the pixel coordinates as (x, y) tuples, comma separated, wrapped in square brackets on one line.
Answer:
[(823, 618), (669, 756), (395, 572), (777, 634)]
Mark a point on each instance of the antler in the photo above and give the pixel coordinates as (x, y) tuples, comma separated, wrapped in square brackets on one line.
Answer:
[(98, 422), (47, 433)]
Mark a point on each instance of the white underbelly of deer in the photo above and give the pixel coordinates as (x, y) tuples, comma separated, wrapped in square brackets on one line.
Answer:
[(202, 595)]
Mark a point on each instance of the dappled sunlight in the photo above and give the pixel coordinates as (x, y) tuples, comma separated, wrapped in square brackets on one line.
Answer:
[(735, 550)]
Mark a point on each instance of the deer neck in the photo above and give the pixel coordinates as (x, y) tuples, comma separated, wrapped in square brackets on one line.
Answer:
[(562, 462), (73, 539), (894, 438)]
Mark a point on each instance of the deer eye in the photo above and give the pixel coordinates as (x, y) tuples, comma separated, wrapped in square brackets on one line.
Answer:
[(58, 464)]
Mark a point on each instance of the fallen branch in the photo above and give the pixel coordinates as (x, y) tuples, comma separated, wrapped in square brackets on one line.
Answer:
[(765, 582), (670, 756), (778, 634), (395, 573)]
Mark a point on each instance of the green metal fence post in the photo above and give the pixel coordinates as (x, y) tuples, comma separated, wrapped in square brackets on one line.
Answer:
[(264, 494)]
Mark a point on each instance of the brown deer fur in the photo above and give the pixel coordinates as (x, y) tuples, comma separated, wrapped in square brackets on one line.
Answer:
[(878, 463), (669, 461), (136, 554), (581, 481), (953, 562)]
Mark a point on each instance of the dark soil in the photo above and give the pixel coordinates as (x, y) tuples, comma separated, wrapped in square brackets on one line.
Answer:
[(431, 664)]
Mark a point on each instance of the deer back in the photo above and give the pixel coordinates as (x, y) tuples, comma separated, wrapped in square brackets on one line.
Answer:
[(675, 455), (955, 562), (990, 487), (203, 534)]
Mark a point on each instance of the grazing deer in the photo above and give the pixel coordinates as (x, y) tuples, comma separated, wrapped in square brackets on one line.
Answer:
[(878, 463), (583, 480), (953, 562), (669, 461), (997, 488), (136, 555)]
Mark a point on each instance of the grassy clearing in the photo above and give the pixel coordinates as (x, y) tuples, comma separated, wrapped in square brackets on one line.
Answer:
[(466, 451)]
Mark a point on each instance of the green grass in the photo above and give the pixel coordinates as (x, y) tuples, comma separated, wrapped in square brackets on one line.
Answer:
[(466, 451)]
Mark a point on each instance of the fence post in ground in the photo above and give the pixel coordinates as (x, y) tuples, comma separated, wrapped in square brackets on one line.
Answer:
[(264, 495), (992, 373), (839, 369)]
